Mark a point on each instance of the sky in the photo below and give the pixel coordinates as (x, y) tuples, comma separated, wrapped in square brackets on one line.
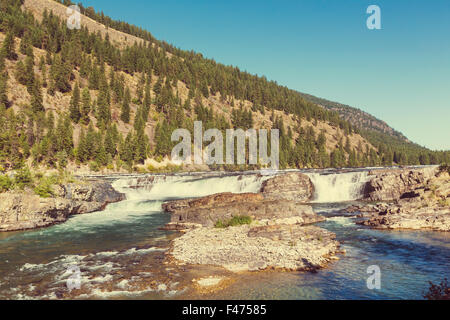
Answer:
[(400, 73)]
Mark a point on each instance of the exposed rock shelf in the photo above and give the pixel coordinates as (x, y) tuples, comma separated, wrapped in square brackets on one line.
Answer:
[(412, 199), (248, 248), (205, 212), (393, 184), (25, 210)]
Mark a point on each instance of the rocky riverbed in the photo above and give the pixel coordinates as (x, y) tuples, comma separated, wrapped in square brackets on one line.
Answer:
[(24, 210), (280, 236)]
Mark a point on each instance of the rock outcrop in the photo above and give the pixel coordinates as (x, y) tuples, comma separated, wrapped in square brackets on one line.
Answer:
[(390, 185), (292, 186), (422, 201), (25, 210), (207, 211)]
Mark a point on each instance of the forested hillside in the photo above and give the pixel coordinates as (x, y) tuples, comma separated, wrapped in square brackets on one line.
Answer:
[(356, 117), (110, 95)]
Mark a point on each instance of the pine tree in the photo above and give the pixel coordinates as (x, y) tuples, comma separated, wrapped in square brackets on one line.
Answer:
[(25, 45), (94, 79), (3, 90), (90, 143), (125, 113), (60, 72), (74, 107), (36, 97), (147, 102), (65, 134), (101, 156), (126, 150), (82, 153), (140, 143), (29, 73), (9, 47), (109, 144), (21, 73), (85, 106), (158, 86), (103, 109)]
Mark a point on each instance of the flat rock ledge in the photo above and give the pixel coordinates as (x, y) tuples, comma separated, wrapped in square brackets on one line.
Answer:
[(207, 211), (25, 210), (257, 248)]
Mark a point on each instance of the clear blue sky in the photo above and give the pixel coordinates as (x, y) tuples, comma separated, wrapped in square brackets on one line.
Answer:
[(400, 74)]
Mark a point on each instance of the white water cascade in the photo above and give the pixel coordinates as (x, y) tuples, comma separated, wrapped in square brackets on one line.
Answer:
[(338, 187), (171, 187)]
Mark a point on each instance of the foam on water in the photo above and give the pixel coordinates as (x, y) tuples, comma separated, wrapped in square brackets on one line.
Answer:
[(339, 187), (170, 187)]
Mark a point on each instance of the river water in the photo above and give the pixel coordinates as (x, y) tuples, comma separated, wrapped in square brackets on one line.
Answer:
[(119, 252)]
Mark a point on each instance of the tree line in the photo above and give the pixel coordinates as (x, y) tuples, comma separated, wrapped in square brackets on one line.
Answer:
[(91, 69)]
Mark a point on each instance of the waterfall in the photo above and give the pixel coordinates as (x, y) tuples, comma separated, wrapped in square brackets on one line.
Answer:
[(339, 187), (172, 187), (145, 195)]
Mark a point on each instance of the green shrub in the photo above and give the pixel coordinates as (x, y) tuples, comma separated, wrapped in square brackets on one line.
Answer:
[(44, 184), (5, 183), (62, 159), (94, 166), (220, 225), (23, 178), (44, 189), (233, 222)]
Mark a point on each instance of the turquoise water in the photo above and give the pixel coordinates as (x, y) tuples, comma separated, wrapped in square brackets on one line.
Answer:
[(408, 260), (119, 251)]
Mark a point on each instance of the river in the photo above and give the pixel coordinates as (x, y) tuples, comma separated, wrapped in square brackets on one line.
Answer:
[(121, 250)]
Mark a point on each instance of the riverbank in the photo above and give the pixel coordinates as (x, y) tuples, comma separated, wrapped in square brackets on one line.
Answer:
[(25, 210)]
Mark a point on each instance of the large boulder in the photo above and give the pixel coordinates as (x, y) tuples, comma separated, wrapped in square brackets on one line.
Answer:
[(92, 191), (390, 185), (207, 211), (293, 186)]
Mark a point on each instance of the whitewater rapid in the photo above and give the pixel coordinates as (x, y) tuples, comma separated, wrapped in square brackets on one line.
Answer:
[(339, 187)]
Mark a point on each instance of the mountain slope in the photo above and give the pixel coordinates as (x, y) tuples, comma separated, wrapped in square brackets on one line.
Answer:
[(357, 117), (102, 97)]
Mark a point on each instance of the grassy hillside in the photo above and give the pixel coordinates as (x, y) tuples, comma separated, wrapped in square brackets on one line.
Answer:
[(110, 98)]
